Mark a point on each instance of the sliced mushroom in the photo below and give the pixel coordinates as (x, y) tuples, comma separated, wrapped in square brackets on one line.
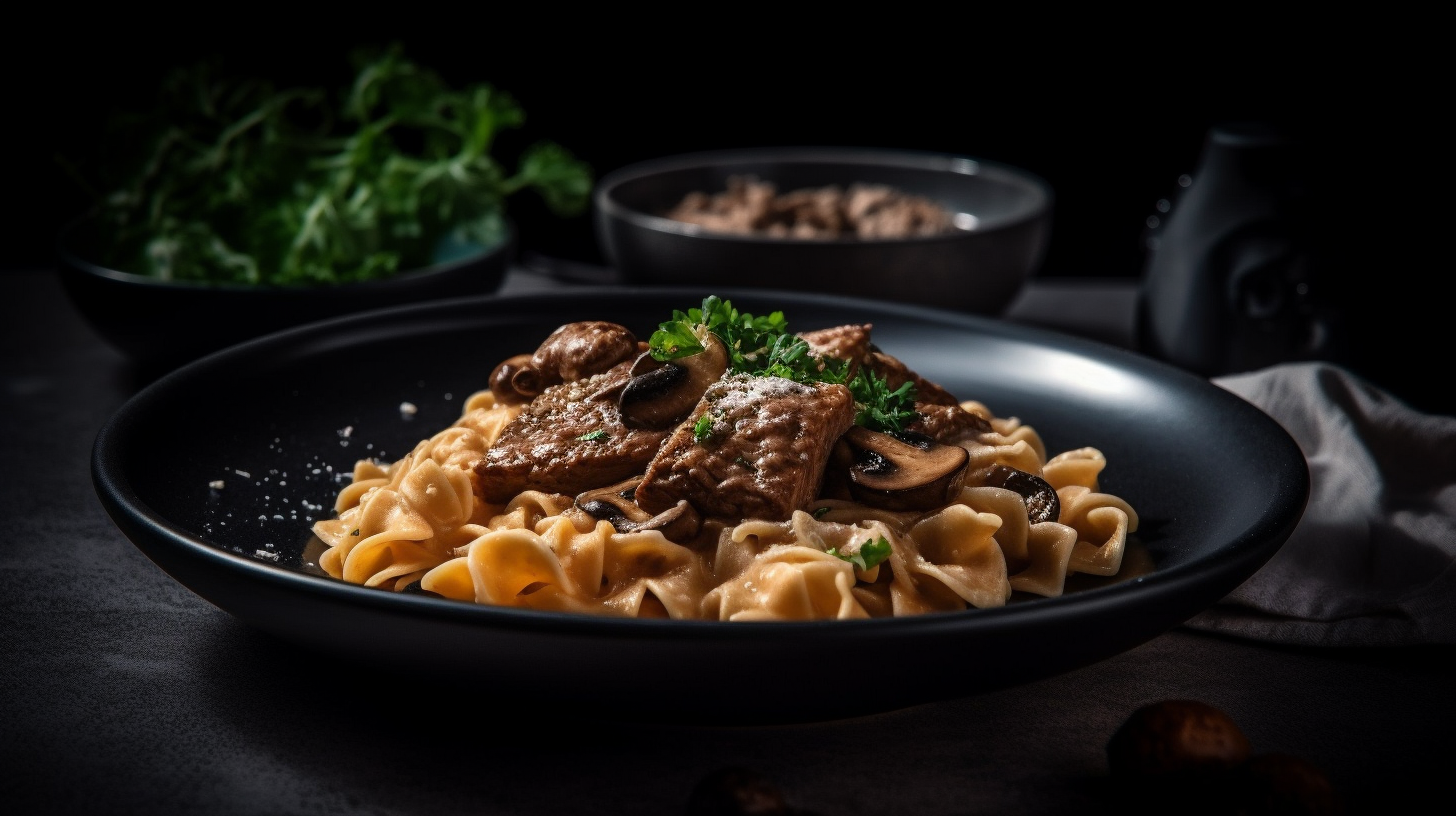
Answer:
[(656, 399), (644, 363), (895, 474), (1042, 503), (662, 397), (529, 381), (502, 380), (678, 523), (616, 504)]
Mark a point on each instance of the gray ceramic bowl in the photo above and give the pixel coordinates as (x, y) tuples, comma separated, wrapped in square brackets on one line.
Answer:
[(1003, 216)]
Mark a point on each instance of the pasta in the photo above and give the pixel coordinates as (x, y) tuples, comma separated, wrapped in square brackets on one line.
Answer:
[(455, 516)]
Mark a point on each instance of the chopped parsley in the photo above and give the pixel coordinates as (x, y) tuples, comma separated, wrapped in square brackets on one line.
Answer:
[(593, 436), (879, 408), (703, 428), (231, 179), (745, 336), (763, 346), (870, 554)]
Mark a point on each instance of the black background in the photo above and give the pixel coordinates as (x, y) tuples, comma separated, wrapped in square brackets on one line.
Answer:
[(1110, 111)]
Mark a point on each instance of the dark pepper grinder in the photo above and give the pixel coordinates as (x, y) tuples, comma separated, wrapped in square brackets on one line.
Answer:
[(1233, 281)]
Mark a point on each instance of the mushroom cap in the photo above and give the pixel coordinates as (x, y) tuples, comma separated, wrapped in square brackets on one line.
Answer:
[(895, 474), (577, 350)]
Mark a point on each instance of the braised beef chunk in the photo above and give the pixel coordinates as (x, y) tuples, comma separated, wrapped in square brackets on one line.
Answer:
[(567, 440), (948, 424), (941, 416), (851, 342), (897, 373), (762, 455)]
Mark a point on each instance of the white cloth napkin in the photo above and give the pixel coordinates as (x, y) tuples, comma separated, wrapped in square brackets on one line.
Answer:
[(1373, 560)]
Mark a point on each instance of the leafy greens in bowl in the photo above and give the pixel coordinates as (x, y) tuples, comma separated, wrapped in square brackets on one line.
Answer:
[(237, 209), (241, 182)]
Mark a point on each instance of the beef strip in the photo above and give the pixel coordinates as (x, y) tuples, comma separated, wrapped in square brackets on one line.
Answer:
[(941, 416), (765, 454), (948, 424), (544, 449), (851, 342), (897, 373)]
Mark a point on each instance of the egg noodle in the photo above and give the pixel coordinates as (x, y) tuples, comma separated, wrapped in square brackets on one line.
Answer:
[(420, 522)]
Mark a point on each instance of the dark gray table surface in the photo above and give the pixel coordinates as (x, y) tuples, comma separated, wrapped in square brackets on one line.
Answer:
[(126, 693)]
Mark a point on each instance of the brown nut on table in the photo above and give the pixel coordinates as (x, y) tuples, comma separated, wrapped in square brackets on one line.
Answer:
[(1175, 737), (1285, 784), (735, 791)]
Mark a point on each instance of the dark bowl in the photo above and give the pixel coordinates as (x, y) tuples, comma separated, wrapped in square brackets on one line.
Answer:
[(162, 324), (1003, 217)]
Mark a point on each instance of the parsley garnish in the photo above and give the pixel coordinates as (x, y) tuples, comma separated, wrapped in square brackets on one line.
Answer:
[(820, 511), (745, 336), (879, 408), (703, 428), (592, 436), (235, 180), (871, 553), (763, 346)]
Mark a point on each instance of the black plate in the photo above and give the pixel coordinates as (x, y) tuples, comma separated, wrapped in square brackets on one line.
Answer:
[(1217, 483)]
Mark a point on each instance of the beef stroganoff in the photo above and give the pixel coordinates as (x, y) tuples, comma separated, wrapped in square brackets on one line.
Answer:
[(725, 469)]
